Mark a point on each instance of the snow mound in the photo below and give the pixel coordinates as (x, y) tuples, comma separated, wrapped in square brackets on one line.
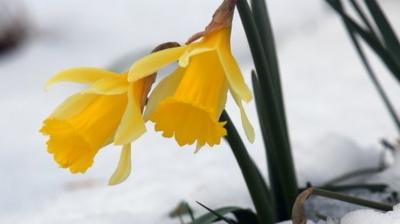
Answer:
[(367, 216), (309, 222), (327, 150), (390, 176)]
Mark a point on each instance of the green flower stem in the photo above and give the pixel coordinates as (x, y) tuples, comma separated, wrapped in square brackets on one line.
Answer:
[(271, 115), (255, 183)]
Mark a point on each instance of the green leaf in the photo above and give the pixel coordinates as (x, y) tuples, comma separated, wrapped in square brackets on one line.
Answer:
[(210, 217), (220, 217), (258, 190), (370, 72), (261, 18), (243, 216), (277, 174), (389, 37), (370, 39), (362, 16), (273, 120)]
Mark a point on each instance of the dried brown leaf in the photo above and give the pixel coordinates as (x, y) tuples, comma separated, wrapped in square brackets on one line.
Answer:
[(298, 215)]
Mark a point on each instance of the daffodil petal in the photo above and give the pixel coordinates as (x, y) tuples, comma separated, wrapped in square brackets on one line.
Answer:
[(248, 128), (153, 62), (79, 75), (234, 76), (73, 105), (132, 125), (164, 89), (124, 166), (109, 86), (185, 58)]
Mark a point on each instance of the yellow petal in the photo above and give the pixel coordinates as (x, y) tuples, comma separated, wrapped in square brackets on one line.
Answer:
[(132, 124), (69, 148), (185, 58), (124, 166), (188, 123), (79, 75), (234, 75), (109, 86), (73, 105), (153, 62), (248, 128), (164, 89)]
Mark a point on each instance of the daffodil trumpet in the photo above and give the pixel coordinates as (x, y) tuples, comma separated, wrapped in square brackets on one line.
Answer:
[(187, 103)]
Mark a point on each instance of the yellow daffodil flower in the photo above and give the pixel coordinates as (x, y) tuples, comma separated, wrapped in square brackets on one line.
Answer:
[(108, 111), (187, 104)]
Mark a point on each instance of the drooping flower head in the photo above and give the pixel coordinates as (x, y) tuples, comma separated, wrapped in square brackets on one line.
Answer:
[(109, 111), (187, 104)]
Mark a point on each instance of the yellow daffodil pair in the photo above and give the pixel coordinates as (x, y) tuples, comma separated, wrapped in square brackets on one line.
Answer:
[(185, 105)]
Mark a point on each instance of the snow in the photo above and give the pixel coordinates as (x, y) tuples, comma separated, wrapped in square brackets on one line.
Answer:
[(334, 147), (364, 216), (390, 175), (290, 222), (367, 216), (336, 118)]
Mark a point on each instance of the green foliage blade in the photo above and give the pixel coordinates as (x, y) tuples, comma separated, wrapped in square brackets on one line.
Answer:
[(389, 37), (245, 216), (210, 217), (276, 174), (258, 190), (370, 72), (370, 39), (362, 15), (276, 139), (261, 18)]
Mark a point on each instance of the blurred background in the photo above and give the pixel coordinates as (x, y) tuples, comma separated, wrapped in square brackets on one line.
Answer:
[(335, 117)]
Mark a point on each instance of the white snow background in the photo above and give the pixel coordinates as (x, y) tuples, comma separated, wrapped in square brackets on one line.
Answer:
[(335, 117)]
